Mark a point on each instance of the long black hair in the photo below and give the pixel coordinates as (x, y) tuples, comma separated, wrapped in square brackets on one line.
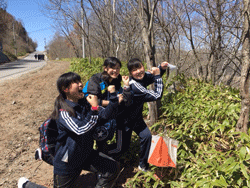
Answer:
[(63, 82), (110, 62)]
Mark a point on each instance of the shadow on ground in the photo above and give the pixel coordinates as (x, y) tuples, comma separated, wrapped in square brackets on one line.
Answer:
[(89, 180)]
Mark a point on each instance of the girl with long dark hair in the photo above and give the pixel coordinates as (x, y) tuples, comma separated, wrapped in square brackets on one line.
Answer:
[(76, 118)]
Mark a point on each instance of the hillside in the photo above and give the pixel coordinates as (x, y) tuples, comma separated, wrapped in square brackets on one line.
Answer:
[(14, 39)]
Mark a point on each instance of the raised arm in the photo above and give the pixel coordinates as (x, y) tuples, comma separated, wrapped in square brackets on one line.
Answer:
[(75, 125), (144, 94), (127, 92)]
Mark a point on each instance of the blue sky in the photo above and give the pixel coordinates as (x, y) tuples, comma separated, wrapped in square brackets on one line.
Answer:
[(36, 24)]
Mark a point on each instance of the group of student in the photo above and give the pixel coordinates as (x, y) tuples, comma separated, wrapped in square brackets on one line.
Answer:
[(77, 115)]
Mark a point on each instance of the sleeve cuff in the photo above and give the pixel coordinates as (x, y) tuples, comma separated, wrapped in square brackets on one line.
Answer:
[(157, 76), (126, 88), (93, 112), (113, 96)]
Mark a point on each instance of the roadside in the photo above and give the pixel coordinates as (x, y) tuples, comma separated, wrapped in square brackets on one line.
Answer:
[(21, 66), (25, 103)]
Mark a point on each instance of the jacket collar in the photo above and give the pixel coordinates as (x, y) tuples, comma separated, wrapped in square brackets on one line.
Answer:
[(71, 104)]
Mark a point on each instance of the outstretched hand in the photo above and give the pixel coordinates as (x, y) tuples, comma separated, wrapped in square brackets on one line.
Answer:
[(155, 71), (164, 65)]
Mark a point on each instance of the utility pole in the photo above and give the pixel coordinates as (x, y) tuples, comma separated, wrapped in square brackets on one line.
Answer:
[(45, 44), (83, 41), (45, 50), (14, 39)]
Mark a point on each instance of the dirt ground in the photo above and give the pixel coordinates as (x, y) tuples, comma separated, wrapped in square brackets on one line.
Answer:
[(25, 102)]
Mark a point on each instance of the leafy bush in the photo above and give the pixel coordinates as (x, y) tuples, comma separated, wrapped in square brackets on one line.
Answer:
[(21, 53), (86, 69), (202, 117), (210, 153)]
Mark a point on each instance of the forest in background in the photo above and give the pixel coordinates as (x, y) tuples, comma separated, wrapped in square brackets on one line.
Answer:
[(203, 38), (206, 39), (14, 39)]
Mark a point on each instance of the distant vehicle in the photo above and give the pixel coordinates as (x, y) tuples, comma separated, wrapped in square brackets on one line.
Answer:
[(40, 56)]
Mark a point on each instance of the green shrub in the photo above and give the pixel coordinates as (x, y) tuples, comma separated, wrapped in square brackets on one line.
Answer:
[(21, 53), (210, 153), (86, 69), (202, 117)]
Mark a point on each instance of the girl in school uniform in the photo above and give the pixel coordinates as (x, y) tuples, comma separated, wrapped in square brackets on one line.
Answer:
[(97, 85), (76, 119)]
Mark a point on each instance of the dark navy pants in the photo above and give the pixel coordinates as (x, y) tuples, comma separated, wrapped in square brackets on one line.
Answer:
[(141, 129), (105, 168)]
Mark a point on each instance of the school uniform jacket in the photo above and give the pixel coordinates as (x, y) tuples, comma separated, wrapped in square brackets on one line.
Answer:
[(75, 139), (97, 85), (142, 95)]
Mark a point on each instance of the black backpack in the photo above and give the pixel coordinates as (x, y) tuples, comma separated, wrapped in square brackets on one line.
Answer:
[(48, 139)]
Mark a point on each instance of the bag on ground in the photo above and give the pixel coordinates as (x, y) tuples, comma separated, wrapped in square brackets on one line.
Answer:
[(163, 151)]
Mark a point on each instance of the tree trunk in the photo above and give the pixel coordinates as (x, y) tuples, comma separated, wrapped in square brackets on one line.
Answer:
[(245, 73), (150, 60)]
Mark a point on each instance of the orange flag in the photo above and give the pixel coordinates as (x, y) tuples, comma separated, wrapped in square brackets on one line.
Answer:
[(163, 151)]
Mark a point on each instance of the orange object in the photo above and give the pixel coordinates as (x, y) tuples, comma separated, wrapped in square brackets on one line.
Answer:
[(163, 151)]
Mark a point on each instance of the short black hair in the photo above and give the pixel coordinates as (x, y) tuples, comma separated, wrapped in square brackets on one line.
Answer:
[(112, 62), (134, 64)]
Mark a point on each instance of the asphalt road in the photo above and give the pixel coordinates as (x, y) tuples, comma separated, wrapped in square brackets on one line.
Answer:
[(17, 68)]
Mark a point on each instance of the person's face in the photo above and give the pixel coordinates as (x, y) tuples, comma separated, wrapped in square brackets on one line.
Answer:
[(74, 91), (114, 71), (138, 73)]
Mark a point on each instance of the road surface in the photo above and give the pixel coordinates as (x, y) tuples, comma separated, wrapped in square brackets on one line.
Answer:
[(17, 68)]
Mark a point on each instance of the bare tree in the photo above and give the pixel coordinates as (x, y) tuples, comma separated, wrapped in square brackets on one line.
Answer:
[(242, 124), (167, 31), (219, 36), (128, 39), (145, 10), (67, 15), (105, 23)]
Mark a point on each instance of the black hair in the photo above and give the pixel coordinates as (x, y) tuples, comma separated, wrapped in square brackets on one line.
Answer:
[(134, 63), (63, 82), (110, 62)]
